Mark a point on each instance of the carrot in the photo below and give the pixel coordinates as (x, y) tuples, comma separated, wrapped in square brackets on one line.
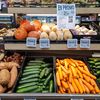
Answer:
[(81, 83), (57, 64), (69, 91), (86, 68), (79, 73), (64, 75), (86, 89), (64, 84), (71, 88), (61, 90), (78, 85), (87, 78), (92, 82), (93, 92), (58, 79), (70, 76), (75, 87), (66, 64), (64, 69), (73, 71), (90, 87), (85, 72), (74, 62), (96, 88), (58, 61), (60, 73), (70, 62)]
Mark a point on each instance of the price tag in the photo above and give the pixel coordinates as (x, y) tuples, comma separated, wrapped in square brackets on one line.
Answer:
[(84, 43), (2, 48), (31, 42), (44, 43), (72, 43), (66, 16)]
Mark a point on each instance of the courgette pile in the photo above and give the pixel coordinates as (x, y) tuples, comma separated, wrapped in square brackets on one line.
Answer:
[(95, 65), (37, 77)]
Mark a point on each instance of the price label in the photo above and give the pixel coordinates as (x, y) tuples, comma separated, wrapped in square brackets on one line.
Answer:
[(31, 42), (84, 43), (2, 48), (72, 43), (44, 43)]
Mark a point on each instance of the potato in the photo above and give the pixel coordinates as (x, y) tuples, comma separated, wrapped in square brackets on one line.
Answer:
[(13, 78), (3, 66), (2, 89), (4, 77)]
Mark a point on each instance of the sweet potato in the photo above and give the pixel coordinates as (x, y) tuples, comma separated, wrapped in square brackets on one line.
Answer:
[(13, 78), (4, 77), (2, 89)]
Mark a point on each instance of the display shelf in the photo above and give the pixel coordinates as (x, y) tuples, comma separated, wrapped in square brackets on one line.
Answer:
[(51, 10), (52, 96), (10, 46)]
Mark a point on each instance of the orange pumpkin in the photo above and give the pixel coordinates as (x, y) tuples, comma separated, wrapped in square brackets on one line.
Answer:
[(37, 25), (34, 34), (20, 34)]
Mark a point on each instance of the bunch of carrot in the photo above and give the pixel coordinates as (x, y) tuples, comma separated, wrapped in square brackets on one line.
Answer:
[(73, 76)]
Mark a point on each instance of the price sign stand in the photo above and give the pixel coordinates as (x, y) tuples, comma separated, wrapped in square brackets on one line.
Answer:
[(72, 43), (44, 43), (31, 42), (29, 98), (85, 43)]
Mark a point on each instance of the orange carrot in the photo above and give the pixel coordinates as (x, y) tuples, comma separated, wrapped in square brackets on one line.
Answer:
[(93, 92), (85, 72), (81, 83), (70, 76), (60, 73), (92, 82), (87, 78), (58, 79), (78, 85), (90, 87), (79, 73), (73, 71), (66, 64), (64, 75), (57, 64), (71, 88), (61, 90), (64, 69), (86, 68), (64, 84), (96, 88), (75, 87), (70, 62), (74, 62), (86, 89), (69, 91), (58, 61)]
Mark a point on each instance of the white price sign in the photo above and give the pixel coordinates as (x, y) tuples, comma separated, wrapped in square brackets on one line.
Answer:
[(85, 43), (31, 42), (66, 16), (72, 43), (44, 43)]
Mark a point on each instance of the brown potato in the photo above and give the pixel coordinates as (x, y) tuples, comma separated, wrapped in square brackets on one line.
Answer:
[(13, 78), (2, 89), (4, 77), (3, 66)]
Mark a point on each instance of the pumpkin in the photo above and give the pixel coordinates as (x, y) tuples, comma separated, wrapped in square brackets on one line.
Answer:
[(34, 34), (20, 34), (37, 25), (28, 26)]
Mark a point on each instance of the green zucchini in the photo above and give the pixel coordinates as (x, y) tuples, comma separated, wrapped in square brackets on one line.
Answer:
[(38, 90), (30, 77), (29, 70), (29, 80), (48, 79), (42, 73), (26, 90), (45, 65), (36, 61), (33, 67), (51, 86), (27, 85), (47, 72), (30, 73), (97, 64)]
